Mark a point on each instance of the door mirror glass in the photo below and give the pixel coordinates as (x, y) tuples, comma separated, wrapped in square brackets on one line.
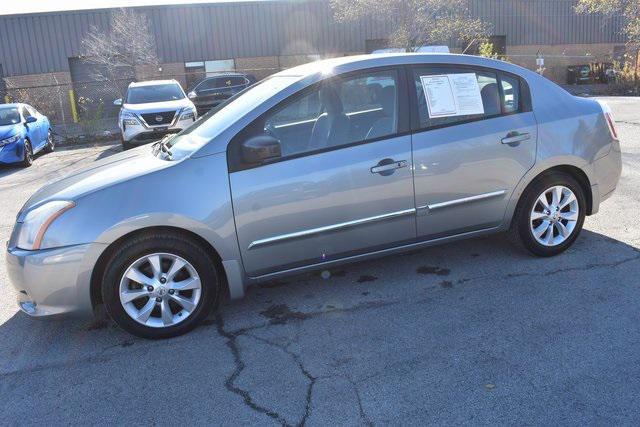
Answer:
[(118, 102), (260, 148), (30, 119)]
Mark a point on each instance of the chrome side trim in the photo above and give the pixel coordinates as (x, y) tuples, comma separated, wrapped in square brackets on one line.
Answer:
[(333, 227), (464, 200), (374, 254)]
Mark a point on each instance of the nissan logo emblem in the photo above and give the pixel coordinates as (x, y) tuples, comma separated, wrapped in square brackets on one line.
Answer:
[(159, 118)]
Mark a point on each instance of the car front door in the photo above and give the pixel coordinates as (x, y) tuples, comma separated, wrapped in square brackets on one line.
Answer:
[(467, 165), (343, 183), (33, 129)]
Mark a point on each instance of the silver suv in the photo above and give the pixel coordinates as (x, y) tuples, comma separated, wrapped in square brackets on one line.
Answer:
[(153, 109), (322, 164)]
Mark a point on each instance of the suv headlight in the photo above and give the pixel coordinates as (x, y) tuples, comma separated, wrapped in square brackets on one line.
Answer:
[(129, 119), (188, 114), (37, 221), (10, 140)]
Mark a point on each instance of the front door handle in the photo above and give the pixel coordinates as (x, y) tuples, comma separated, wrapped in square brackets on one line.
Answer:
[(515, 138), (388, 166)]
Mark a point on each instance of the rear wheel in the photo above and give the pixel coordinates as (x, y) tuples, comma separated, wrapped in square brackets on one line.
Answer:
[(51, 145), (550, 215), (28, 154), (160, 285)]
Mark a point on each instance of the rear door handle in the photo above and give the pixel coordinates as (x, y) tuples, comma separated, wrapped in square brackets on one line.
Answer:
[(514, 138), (388, 166)]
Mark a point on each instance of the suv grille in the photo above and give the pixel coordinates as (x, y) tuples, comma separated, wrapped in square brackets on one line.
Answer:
[(160, 118)]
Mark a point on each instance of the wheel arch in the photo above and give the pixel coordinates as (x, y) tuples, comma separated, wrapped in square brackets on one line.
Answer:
[(100, 265), (574, 171)]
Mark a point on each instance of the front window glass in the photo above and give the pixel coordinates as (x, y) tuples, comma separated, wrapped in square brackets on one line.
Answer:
[(220, 118), (154, 93), (337, 112), (9, 116)]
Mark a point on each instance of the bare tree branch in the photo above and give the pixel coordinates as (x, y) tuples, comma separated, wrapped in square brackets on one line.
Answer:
[(417, 22)]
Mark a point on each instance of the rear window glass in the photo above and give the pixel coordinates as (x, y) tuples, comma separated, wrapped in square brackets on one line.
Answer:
[(487, 85)]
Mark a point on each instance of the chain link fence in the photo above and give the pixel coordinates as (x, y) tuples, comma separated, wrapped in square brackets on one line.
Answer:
[(85, 111)]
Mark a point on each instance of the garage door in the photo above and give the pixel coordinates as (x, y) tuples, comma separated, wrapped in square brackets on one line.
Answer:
[(94, 91)]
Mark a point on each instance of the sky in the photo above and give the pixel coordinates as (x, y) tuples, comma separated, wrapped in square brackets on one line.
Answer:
[(10, 7)]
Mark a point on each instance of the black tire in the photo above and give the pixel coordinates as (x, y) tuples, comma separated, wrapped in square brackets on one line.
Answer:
[(164, 242), (28, 154), (51, 144), (521, 232), (125, 145)]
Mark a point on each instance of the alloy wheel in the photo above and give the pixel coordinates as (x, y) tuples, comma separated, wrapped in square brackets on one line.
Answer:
[(554, 215), (160, 290)]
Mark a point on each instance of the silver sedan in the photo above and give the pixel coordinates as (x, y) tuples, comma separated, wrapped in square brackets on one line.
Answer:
[(322, 164)]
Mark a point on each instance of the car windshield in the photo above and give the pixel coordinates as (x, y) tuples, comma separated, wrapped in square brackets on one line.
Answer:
[(154, 93), (220, 118), (9, 116)]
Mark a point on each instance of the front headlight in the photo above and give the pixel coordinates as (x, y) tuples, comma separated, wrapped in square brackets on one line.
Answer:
[(188, 114), (10, 140), (37, 221), (129, 119)]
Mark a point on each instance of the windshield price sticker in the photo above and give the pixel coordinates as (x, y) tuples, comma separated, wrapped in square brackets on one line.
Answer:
[(452, 95)]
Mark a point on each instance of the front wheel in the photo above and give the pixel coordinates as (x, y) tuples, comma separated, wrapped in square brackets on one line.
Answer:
[(28, 154), (160, 285), (550, 215)]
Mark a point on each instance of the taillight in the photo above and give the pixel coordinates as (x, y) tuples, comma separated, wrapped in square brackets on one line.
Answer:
[(606, 111), (612, 126)]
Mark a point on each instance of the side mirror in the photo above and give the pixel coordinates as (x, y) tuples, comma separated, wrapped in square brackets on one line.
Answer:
[(260, 148), (118, 102), (31, 119), (192, 94)]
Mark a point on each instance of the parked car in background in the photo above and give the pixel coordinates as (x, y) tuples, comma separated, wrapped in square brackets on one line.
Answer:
[(323, 164), (23, 133), (153, 109), (214, 89)]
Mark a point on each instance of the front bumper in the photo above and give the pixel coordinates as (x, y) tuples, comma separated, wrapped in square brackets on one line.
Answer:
[(12, 153), (53, 281), (142, 133)]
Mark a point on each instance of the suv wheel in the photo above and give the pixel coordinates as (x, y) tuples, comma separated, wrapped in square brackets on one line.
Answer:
[(160, 285), (550, 215)]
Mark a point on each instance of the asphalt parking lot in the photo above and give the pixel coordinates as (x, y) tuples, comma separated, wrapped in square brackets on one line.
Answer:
[(471, 332)]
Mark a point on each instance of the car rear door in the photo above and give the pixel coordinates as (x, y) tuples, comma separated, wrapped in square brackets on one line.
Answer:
[(343, 184), (467, 165)]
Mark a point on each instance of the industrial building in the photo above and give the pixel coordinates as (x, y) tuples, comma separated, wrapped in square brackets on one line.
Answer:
[(44, 49)]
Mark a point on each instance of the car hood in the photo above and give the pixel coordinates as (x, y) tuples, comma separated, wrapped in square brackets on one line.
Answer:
[(154, 107), (103, 173), (9, 130)]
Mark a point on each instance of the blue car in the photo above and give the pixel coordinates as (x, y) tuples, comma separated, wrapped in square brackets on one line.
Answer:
[(23, 132)]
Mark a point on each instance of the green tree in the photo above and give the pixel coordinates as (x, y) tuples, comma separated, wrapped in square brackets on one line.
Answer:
[(417, 22)]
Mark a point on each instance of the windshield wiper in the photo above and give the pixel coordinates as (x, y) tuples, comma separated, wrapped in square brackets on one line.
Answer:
[(163, 145)]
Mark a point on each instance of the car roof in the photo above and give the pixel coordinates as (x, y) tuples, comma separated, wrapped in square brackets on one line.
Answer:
[(16, 105), (360, 62), (153, 83), (225, 74)]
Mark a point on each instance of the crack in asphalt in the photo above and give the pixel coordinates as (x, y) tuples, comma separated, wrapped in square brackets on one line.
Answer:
[(303, 369), (229, 383)]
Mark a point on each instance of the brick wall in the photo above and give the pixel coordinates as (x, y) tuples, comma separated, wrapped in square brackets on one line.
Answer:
[(259, 66)]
